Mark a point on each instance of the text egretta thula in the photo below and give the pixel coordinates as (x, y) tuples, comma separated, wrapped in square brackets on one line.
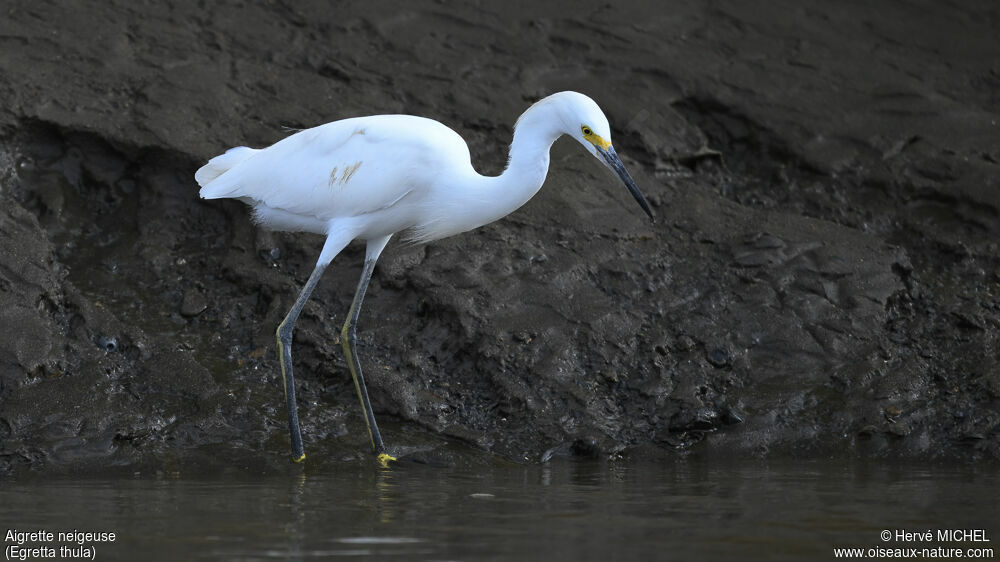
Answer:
[(368, 178)]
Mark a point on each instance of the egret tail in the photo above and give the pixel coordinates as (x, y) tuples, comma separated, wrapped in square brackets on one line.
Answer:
[(218, 166)]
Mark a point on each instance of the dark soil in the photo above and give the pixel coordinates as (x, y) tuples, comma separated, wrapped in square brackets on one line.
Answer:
[(823, 278)]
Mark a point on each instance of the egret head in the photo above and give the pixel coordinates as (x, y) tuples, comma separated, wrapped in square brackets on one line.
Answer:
[(584, 121)]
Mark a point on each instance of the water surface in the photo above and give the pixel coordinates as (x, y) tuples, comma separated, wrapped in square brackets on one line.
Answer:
[(563, 510)]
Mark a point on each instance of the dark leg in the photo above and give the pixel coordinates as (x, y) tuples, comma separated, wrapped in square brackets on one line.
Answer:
[(348, 338), (285, 354)]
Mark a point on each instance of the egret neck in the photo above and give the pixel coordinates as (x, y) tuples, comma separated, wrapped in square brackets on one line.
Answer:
[(527, 165)]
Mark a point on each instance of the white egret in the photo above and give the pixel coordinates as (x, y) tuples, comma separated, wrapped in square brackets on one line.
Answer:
[(368, 178)]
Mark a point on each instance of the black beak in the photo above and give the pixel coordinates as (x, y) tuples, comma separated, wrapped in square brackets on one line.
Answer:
[(612, 161)]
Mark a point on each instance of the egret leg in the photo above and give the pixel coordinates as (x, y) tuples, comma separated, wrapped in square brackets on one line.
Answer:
[(284, 335), (335, 242), (349, 338)]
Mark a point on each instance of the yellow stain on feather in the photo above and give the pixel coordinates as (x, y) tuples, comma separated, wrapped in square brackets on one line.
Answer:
[(345, 175), (349, 171)]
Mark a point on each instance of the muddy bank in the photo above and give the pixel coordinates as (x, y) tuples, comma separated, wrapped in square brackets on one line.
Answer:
[(822, 278)]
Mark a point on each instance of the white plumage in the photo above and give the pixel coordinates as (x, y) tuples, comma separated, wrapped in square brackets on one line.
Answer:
[(370, 177)]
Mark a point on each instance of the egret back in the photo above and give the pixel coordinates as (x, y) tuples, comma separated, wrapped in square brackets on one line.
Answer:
[(346, 168)]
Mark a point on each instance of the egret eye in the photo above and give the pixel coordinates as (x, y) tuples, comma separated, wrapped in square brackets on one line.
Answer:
[(587, 131)]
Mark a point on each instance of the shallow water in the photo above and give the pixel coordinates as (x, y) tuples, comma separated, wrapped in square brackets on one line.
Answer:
[(564, 510)]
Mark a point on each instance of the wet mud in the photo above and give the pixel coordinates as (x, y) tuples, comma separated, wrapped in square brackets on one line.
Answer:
[(822, 278)]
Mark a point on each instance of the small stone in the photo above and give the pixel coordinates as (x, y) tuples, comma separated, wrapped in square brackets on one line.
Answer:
[(107, 343), (765, 241), (719, 357), (730, 417), (684, 343), (523, 337), (270, 254), (193, 304), (898, 429)]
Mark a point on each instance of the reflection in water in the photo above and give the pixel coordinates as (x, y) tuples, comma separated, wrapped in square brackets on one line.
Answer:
[(564, 510)]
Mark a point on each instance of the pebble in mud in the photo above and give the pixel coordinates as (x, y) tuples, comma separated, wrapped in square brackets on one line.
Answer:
[(193, 304), (719, 357), (107, 343)]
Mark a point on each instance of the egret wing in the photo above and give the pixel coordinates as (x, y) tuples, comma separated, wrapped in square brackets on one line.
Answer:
[(345, 168)]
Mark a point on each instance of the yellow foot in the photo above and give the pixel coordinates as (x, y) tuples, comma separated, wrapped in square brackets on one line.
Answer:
[(384, 459), (300, 459)]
